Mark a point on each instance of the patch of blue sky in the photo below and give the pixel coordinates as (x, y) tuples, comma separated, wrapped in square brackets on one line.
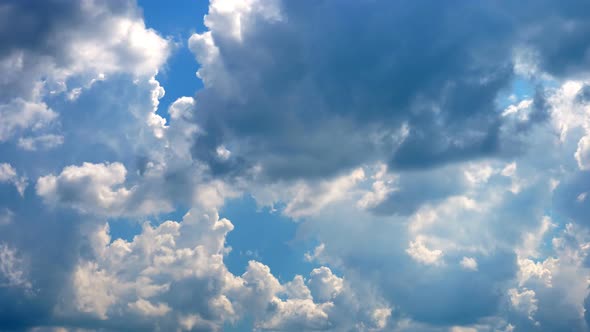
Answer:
[(245, 324), (179, 20), (266, 236), (520, 89), (127, 228)]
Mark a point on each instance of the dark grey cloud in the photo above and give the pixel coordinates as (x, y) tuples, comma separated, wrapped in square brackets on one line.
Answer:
[(48, 242), (320, 83), (556, 31), (330, 81), (42, 26)]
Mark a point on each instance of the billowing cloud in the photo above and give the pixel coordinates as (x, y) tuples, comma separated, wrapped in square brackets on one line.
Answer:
[(434, 158), (173, 276), (63, 48), (95, 188), (406, 85)]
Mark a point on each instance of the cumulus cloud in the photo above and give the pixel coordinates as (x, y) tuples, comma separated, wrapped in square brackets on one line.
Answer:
[(385, 98), (95, 188), (437, 153), (422, 254), (173, 276), (56, 48), (355, 94), (469, 263), (20, 114)]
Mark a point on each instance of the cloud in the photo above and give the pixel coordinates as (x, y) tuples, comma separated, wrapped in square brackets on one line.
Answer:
[(469, 263), (56, 49), (324, 284), (414, 93), (94, 188), (20, 114), (12, 269), (437, 154), (173, 276), (48, 141), (524, 302), (422, 254), (8, 174)]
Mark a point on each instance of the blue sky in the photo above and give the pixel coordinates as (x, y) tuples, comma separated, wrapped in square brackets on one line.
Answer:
[(178, 20), (249, 165)]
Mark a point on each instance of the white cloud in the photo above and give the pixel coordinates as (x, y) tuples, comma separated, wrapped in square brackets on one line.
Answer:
[(308, 199), (324, 285), (9, 174), (43, 142), (419, 252), (19, 114), (160, 276), (96, 290), (541, 271), (469, 263), (383, 184), (89, 187), (12, 269), (146, 308), (524, 302), (532, 240), (96, 188), (97, 40)]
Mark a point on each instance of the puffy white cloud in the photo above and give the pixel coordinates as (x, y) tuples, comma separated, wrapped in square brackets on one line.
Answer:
[(383, 185), (95, 289), (524, 302), (469, 263), (88, 187), (555, 289), (324, 284), (146, 308), (77, 45), (539, 271), (173, 275), (418, 251), (96, 188)]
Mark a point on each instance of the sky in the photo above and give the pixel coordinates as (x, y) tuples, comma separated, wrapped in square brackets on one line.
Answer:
[(276, 165)]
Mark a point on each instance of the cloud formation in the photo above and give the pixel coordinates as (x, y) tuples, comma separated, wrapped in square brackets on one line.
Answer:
[(433, 158)]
